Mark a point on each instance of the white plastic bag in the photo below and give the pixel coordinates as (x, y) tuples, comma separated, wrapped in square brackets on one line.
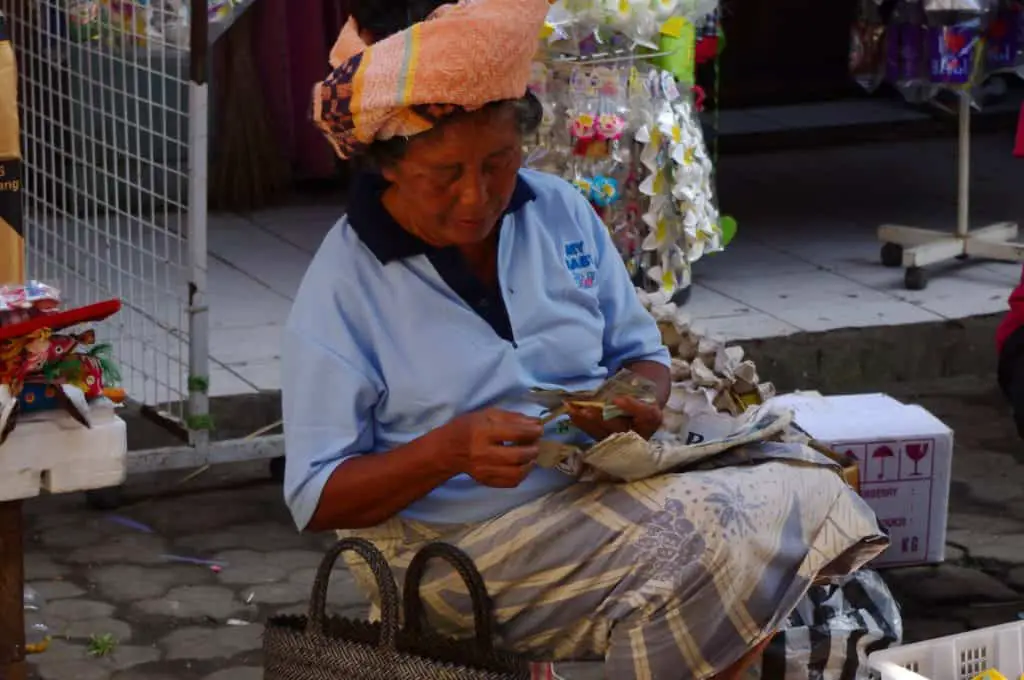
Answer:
[(833, 629)]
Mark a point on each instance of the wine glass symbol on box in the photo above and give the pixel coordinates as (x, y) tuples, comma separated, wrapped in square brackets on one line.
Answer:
[(916, 459), (905, 460)]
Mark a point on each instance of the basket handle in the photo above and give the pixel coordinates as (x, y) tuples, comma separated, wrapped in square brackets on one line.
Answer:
[(385, 584), (483, 611)]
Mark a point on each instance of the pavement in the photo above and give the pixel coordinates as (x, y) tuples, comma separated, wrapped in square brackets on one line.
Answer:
[(109, 574)]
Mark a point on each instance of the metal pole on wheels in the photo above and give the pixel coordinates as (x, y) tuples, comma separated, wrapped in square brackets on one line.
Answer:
[(963, 168), (914, 248)]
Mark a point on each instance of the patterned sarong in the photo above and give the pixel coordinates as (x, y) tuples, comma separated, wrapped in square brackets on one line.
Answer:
[(673, 577)]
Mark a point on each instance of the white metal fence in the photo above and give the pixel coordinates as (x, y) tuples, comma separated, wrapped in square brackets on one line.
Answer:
[(114, 120)]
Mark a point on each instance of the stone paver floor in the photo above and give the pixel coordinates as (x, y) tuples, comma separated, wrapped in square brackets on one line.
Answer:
[(181, 621)]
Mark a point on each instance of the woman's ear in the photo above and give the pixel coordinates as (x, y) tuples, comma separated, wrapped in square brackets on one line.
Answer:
[(389, 172)]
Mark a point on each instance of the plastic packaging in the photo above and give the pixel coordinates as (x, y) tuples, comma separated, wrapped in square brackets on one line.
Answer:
[(37, 633), (832, 630), (124, 23), (905, 59), (954, 49), (867, 47), (20, 303), (934, 50), (83, 19), (1005, 38)]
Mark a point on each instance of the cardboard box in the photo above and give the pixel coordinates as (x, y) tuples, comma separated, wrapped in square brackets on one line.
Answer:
[(904, 456)]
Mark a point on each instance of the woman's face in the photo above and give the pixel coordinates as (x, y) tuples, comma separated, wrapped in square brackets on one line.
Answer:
[(454, 182)]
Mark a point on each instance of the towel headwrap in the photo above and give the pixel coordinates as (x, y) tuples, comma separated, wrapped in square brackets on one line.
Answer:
[(463, 56)]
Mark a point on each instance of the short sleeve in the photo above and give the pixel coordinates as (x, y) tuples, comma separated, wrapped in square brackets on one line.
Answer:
[(328, 393), (630, 332), (328, 406)]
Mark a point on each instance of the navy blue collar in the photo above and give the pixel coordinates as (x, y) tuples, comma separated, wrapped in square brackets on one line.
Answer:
[(385, 238)]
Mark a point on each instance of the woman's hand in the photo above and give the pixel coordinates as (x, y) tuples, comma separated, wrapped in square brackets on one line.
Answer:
[(496, 448), (641, 417)]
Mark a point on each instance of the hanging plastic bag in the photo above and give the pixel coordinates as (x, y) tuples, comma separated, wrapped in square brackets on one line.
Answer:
[(867, 47), (832, 630), (1003, 38), (954, 50), (906, 57), (83, 18), (976, 7)]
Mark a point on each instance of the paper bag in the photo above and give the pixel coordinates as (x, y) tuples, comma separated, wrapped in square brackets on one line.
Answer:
[(11, 242)]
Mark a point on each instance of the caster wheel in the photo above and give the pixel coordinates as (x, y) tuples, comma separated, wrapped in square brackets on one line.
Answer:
[(962, 256), (104, 499), (277, 469), (915, 279), (892, 255), (681, 296)]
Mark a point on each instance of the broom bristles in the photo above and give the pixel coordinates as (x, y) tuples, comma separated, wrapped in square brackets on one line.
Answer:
[(249, 170)]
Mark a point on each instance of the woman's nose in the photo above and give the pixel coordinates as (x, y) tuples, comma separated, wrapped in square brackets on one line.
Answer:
[(473, 190)]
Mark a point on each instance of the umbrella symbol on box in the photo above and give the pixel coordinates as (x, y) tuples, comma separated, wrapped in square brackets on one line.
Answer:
[(880, 454), (861, 460)]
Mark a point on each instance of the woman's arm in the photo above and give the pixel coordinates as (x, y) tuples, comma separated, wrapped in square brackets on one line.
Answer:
[(331, 479), (371, 489), (496, 448)]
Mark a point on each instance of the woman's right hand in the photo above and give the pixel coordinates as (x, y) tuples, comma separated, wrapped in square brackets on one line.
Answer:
[(496, 448)]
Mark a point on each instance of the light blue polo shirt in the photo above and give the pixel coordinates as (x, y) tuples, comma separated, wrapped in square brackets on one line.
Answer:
[(390, 338)]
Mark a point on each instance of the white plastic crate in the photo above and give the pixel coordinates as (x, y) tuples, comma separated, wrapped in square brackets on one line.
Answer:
[(956, 657)]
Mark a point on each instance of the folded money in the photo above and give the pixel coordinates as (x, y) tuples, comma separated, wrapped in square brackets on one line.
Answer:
[(625, 383)]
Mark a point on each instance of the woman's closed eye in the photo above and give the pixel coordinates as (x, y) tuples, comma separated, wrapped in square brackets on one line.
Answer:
[(499, 163), (450, 174), (444, 175)]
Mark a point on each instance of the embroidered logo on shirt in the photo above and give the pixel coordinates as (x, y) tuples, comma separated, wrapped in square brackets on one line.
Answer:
[(580, 264)]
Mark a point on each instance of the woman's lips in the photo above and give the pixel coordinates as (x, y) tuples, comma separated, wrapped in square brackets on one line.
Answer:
[(471, 225)]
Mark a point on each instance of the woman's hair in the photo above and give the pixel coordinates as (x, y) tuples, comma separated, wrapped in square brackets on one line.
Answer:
[(384, 18), (528, 113)]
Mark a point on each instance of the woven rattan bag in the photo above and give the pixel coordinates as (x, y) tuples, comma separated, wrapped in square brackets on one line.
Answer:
[(317, 647)]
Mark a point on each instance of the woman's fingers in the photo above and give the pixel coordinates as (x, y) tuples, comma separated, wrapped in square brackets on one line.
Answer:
[(585, 412), (641, 417), (514, 428), (502, 478), (506, 466), (638, 409), (590, 420), (511, 456), (647, 418)]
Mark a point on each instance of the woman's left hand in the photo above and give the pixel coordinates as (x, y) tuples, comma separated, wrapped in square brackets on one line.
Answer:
[(641, 417)]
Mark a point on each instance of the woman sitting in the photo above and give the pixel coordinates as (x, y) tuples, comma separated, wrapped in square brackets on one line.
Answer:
[(458, 282)]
